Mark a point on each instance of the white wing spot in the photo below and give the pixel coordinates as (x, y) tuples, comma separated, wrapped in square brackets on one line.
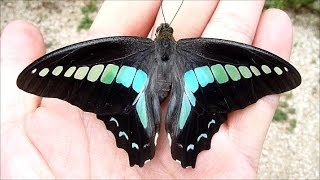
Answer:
[(134, 145), (146, 145), (34, 71), (114, 120), (211, 122), (156, 139), (169, 138), (286, 69), (203, 135), (190, 147), (148, 160), (121, 133)]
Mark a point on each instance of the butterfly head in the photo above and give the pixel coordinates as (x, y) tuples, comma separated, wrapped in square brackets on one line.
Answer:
[(164, 27), (164, 31)]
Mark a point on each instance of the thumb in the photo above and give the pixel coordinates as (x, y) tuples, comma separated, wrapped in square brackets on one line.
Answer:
[(21, 43)]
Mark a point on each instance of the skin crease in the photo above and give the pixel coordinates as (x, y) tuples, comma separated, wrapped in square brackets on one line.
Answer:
[(49, 138)]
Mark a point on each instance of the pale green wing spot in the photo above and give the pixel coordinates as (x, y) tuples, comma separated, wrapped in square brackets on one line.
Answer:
[(126, 75), (184, 112), (95, 72), (233, 72), (219, 73), (56, 71), (191, 81), (81, 72), (204, 75), (44, 72), (266, 69), (121, 133), (139, 81), (245, 72), (255, 70), (190, 96), (286, 69), (70, 71), (109, 73), (278, 70), (141, 108), (203, 135)]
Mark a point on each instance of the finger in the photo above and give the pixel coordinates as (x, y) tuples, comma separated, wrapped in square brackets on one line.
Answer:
[(21, 43), (235, 20), (274, 34), (134, 18), (191, 19)]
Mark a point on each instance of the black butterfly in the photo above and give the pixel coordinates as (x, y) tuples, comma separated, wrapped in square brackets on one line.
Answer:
[(124, 79)]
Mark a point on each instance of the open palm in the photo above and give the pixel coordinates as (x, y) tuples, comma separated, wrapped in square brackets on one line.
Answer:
[(49, 138)]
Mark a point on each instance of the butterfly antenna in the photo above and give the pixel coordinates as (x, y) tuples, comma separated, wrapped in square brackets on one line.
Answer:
[(176, 12), (162, 12)]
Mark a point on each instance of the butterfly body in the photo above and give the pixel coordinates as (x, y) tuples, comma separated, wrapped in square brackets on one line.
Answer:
[(124, 80)]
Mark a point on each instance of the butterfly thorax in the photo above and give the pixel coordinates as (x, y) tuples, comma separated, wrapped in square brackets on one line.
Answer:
[(165, 44)]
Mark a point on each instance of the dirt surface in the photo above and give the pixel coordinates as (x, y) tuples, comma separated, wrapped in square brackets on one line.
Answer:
[(285, 154)]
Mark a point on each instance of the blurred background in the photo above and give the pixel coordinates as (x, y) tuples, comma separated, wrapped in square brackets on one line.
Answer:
[(291, 150)]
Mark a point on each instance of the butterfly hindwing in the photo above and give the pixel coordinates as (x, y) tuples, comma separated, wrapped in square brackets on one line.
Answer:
[(109, 77), (190, 129), (218, 77)]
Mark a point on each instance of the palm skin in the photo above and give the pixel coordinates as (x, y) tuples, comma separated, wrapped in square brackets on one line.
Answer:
[(49, 138)]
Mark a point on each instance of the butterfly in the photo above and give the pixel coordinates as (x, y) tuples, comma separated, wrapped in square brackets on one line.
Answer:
[(123, 80)]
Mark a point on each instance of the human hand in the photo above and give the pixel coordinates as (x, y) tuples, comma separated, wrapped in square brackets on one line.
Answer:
[(49, 138)]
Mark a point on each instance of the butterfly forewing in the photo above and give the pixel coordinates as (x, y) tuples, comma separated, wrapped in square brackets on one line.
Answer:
[(106, 76)]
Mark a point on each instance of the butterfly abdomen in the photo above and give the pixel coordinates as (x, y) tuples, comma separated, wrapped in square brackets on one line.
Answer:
[(163, 80), (164, 89)]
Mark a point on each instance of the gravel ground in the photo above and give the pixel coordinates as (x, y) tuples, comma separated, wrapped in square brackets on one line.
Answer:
[(296, 155), (286, 154)]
